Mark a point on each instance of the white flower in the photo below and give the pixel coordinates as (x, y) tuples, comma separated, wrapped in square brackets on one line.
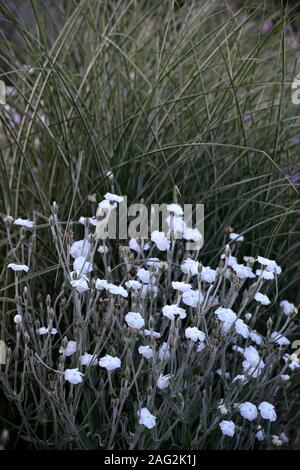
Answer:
[(109, 362), (285, 377), (81, 283), (44, 331), (70, 349), (82, 265), (200, 347), (286, 307), (248, 316), (181, 286), (101, 284), (192, 298), (146, 351), (73, 376), (113, 197), (117, 290), (280, 339), (284, 438), (240, 378), (163, 381), (134, 320), (192, 234), (260, 435), (176, 224), (91, 220), (24, 223), (252, 364), (160, 240), (270, 264), (227, 428), (262, 298), (208, 274), (170, 311), (194, 334), (267, 411), (175, 209), (146, 418), (138, 245), (231, 262), (248, 410), (103, 249), (164, 352), (80, 248), (268, 275), (293, 360), (237, 237), (254, 336), (88, 359), (153, 334), (17, 319), (276, 441), (135, 285), (243, 272), (143, 275), (241, 328), (18, 267), (189, 266), (227, 316)]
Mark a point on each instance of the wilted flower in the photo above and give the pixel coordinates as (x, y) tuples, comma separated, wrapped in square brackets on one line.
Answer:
[(73, 376), (267, 411), (145, 351), (262, 298), (170, 311), (276, 441), (18, 267), (146, 418), (134, 320), (254, 336), (101, 284), (227, 428), (194, 334), (109, 362), (80, 248), (90, 220), (160, 240), (88, 359), (70, 349), (231, 260), (117, 290), (248, 410), (163, 381), (24, 223)]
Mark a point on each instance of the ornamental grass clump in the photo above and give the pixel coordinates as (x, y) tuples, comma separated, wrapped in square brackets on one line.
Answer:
[(144, 347)]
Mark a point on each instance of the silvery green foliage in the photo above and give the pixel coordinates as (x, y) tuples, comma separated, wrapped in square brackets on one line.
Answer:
[(149, 349)]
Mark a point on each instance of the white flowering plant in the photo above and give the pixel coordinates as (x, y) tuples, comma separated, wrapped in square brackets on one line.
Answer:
[(151, 349)]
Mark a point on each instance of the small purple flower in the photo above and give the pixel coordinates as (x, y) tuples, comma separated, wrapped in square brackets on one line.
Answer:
[(247, 117), (295, 140), (268, 24), (293, 175)]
